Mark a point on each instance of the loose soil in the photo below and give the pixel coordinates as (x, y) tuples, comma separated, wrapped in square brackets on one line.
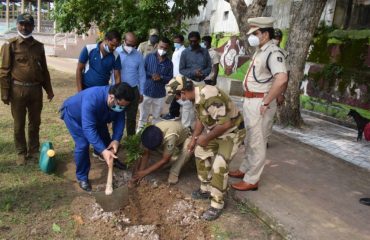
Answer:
[(154, 212)]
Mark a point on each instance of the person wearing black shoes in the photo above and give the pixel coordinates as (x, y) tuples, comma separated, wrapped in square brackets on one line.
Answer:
[(365, 201), (86, 116)]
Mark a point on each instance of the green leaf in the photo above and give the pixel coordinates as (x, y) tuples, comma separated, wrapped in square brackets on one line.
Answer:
[(56, 228)]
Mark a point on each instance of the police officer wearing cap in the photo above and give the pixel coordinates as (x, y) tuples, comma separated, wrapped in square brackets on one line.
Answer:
[(149, 46), (264, 82), (23, 74)]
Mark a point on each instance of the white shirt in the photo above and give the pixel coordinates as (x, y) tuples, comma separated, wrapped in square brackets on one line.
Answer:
[(176, 60)]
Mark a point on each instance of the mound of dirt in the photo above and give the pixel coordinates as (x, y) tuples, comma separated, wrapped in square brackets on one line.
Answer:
[(155, 211)]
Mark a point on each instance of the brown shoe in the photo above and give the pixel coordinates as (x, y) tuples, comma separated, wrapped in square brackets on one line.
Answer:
[(21, 160), (244, 186), (236, 174)]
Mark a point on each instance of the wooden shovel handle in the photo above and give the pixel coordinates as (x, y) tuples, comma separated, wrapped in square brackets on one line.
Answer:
[(109, 186)]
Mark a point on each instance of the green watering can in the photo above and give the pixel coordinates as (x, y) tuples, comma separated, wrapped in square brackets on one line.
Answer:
[(47, 161)]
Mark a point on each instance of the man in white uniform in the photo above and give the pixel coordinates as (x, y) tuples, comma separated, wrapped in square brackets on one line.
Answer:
[(264, 82)]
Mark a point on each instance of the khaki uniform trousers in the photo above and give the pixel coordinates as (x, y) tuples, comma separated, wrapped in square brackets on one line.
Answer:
[(214, 176), (258, 128), (26, 99)]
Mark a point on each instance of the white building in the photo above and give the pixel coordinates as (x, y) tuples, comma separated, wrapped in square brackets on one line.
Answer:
[(217, 16)]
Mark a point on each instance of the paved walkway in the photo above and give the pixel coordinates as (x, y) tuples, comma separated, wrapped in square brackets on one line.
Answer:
[(332, 138), (308, 193)]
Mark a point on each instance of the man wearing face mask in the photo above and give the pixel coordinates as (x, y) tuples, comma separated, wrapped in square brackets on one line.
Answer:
[(23, 74), (151, 45), (211, 79), (195, 64), (97, 61), (159, 71), (264, 82), (86, 116), (174, 110), (132, 73)]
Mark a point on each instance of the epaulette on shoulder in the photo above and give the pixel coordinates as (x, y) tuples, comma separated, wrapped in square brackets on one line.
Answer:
[(11, 40)]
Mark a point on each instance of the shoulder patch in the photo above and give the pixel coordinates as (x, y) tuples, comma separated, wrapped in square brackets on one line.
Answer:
[(170, 146)]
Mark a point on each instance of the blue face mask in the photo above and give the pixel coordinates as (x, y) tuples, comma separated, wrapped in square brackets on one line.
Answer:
[(117, 108), (203, 45), (177, 45)]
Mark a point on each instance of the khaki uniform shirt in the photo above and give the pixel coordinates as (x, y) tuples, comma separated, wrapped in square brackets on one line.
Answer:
[(213, 107), (146, 47), (259, 74), (23, 60), (215, 58), (174, 135)]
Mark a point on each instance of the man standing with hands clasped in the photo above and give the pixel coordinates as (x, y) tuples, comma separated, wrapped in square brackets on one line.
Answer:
[(264, 82), (159, 71), (23, 74)]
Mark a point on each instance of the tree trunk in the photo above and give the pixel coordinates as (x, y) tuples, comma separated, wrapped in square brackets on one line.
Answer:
[(302, 30), (242, 12)]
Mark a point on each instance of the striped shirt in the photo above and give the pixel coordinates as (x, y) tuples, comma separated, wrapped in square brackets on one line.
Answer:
[(156, 89)]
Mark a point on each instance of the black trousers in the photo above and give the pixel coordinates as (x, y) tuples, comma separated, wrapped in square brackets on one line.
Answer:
[(131, 113), (175, 108)]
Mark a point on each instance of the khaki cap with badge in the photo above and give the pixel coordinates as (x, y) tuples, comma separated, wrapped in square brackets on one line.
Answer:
[(260, 22), (153, 31), (25, 18), (176, 84)]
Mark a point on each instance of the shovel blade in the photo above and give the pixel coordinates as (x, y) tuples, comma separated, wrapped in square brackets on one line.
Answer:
[(117, 200)]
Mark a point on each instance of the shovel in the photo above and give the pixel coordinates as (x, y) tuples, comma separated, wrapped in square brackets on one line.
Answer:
[(112, 200)]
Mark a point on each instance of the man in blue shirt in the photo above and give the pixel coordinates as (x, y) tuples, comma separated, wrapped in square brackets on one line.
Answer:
[(195, 64), (86, 115), (132, 73), (97, 61), (159, 71)]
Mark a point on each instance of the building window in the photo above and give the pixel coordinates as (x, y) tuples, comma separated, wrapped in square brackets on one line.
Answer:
[(226, 15)]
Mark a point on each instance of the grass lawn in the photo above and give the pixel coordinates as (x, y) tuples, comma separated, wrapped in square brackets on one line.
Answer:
[(337, 110)]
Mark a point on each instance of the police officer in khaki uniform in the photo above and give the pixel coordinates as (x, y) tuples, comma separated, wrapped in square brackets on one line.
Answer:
[(170, 140), (217, 136), (150, 45), (23, 74), (264, 82)]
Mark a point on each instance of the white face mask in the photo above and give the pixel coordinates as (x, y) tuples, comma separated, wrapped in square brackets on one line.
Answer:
[(128, 49), (106, 48), (24, 36), (161, 52), (253, 41)]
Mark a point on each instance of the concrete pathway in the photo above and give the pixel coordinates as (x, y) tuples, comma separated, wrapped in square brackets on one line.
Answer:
[(332, 138), (308, 194)]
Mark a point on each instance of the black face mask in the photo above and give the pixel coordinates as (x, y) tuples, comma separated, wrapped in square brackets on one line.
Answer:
[(154, 39), (194, 45)]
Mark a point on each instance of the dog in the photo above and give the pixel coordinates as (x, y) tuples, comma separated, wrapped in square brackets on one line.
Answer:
[(361, 122)]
